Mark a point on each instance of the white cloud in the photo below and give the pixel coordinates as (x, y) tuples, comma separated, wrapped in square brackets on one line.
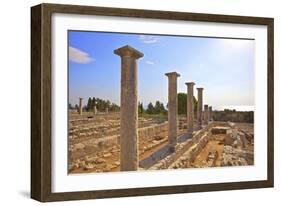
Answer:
[(149, 62), (148, 39), (78, 56)]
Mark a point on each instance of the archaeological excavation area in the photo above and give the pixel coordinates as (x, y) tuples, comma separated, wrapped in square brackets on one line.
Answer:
[(125, 140)]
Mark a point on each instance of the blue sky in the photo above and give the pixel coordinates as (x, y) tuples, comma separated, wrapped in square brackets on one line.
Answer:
[(223, 67)]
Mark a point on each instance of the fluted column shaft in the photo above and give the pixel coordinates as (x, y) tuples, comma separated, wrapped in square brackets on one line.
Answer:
[(172, 109), (80, 106), (129, 108), (190, 107), (199, 107)]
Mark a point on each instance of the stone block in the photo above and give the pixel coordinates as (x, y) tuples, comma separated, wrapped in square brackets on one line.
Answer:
[(219, 130)]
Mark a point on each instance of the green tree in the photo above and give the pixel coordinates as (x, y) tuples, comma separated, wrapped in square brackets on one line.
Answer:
[(182, 103), (140, 108), (195, 103), (70, 106), (107, 103), (157, 108), (93, 101), (150, 108), (89, 106), (162, 109), (101, 105), (114, 107)]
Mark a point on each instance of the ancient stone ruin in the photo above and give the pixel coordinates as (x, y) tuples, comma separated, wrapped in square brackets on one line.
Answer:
[(105, 141), (173, 109)]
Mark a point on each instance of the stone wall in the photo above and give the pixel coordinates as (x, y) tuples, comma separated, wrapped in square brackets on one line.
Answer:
[(233, 116), (152, 131), (193, 146), (111, 140)]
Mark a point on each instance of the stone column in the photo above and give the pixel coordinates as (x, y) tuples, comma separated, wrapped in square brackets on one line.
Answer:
[(106, 110), (129, 108), (206, 114), (95, 111), (190, 107), (210, 113), (199, 107), (80, 106), (172, 109)]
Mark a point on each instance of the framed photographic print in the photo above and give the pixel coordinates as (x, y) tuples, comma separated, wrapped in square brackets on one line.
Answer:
[(130, 102)]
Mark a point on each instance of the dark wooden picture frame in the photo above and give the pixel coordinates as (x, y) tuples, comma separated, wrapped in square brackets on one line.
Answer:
[(41, 117)]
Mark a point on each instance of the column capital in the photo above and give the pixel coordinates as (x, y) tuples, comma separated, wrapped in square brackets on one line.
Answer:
[(171, 74), (190, 83), (128, 51), (200, 89)]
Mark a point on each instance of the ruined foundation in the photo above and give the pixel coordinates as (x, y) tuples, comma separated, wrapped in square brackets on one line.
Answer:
[(94, 144)]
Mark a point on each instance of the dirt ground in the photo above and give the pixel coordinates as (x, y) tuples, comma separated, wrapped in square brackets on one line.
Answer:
[(213, 146)]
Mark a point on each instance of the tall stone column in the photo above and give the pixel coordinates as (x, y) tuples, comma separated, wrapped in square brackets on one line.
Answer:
[(210, 113), (129, 108), (80, 106), (206, 114), (106, 110), (199, 107), (172, 109), (190, 107)]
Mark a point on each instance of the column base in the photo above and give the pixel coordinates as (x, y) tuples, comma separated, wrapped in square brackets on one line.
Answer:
[(172, 148)]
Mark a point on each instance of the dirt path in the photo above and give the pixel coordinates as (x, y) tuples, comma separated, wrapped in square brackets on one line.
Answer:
[(213, 146)]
